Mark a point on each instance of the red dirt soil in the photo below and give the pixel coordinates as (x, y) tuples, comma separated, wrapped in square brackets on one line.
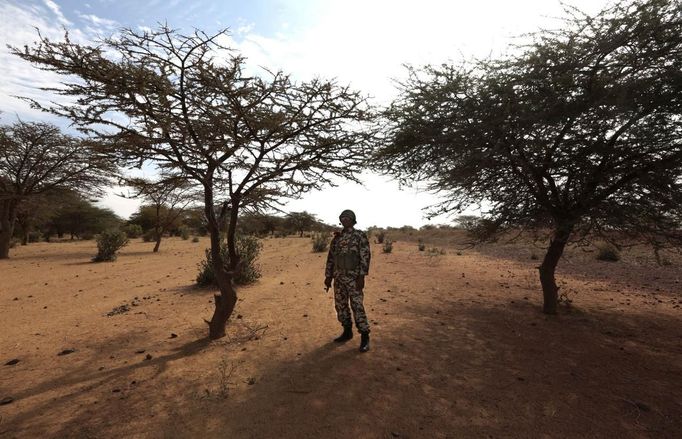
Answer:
[(460, 348)]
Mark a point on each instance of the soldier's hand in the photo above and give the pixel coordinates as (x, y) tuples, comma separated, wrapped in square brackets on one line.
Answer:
[(328, 282), (360, 283)]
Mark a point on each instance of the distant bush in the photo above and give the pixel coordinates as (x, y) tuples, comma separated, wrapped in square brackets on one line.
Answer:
[(380, 236), (34, 236), (149, 236), (607, 252), (133, 230), (533, 256), (248, 248), (184, 232), (320, 241), (388, 246), (87, 235), (435, 251), (195, 239), (108, 243), (421, 245)]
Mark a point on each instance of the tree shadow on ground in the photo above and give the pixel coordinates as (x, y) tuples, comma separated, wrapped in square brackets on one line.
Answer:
[(52, 257), (80, 381), (446, 369), (466, 371), (456, 371)]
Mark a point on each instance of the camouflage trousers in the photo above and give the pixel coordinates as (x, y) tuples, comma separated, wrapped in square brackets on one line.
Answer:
[(345, 291)]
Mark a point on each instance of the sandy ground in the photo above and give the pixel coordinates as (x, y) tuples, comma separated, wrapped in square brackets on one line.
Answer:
[(459, 348)]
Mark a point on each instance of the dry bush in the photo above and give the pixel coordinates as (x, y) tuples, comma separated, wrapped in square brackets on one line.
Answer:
[(607, 252), (108, 243)]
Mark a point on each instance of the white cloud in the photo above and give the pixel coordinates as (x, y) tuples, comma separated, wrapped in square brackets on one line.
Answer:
[(98, 21), (57, 11), (18, 28)]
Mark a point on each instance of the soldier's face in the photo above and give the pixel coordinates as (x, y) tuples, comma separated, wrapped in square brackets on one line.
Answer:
[(346, 221)]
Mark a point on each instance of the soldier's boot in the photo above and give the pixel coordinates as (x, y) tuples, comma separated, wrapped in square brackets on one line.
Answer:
[(364, 341), (347, 335)]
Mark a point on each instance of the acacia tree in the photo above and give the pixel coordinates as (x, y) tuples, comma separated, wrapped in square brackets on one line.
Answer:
[(186, 103), (579, 132), (300, 221), (36, 158), (168, 197)]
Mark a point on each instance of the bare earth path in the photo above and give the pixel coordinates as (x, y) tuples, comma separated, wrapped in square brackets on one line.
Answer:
[(459, 349)]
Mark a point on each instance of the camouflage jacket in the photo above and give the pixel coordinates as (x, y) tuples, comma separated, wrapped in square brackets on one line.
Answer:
[(348, 254)]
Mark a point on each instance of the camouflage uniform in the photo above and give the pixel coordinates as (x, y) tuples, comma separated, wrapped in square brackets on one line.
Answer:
[(348, 259)]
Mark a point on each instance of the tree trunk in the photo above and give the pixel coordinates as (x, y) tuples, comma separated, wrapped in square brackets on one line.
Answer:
[(157, 234), (7, 219), (24, 237), (158, 240), (548, 267), (227, 299)]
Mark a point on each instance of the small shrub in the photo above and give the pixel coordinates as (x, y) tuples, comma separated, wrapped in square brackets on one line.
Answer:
[(320, 242), (108, 243), (149, 236), (435, 251), (534, 257), (34, 236), (248, 248), (13, 242), (607, 252), (133, 230), (388, 246), (184, 233), (421, 245), (380, 236), (195, 239)]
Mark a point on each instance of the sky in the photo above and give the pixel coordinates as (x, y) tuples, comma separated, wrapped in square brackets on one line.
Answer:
[(364, 43)]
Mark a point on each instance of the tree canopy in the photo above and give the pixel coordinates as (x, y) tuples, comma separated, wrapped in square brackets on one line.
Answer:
[(36, 158), (578, 132)]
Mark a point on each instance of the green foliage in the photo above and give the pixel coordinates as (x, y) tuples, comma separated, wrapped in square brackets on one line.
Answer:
[(81, 219), (248, 248), (133, 230), (320, 242), (147, 217), (149, 236), (87, 235), (184, 232), (299, 221), (108, 243), (388, 246), (607, 252)]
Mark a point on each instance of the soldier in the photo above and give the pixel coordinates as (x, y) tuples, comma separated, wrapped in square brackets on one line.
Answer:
[(347, 265)]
